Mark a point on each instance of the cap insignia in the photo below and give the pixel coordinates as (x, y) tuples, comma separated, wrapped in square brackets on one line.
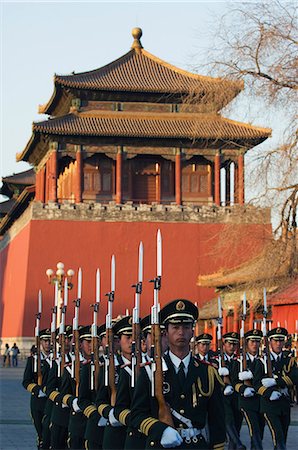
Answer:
[(233, 334), (278, 330), (255, 331), (180, 306), (130, 321)]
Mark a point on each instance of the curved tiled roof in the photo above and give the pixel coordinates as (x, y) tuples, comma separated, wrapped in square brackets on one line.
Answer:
[(142, 72), (150, 125)]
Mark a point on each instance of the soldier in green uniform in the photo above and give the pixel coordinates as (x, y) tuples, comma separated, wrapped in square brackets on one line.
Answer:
[(30, 382), (249, 400), (191, 388), (203, 352), (233, 416), (275, 390), (118, 415), (55, 391)]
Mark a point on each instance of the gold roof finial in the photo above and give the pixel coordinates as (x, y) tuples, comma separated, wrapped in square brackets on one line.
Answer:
[(137, 34)]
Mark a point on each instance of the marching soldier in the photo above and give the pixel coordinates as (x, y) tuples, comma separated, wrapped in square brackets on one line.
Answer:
[(233, 417), (275, 390), (87, 394), (30, 382), (77, 420), (249, 401), (115, 431), (192, 390), (203, 342), (55, 390)]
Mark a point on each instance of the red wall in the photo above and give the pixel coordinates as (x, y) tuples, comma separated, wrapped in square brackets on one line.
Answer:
[(188, 250), (285, 316)]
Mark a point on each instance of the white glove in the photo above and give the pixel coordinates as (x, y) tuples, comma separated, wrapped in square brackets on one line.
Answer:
[(275, 396), (268, 382), (245, 375), (75, 405), (41, 394), (102, 422), (284, 391), (223, 371), (249, 392), (228, 390), (113, 421), (170, 438)]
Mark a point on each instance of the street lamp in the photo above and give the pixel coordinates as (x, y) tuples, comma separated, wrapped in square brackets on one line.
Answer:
[(58, 279)]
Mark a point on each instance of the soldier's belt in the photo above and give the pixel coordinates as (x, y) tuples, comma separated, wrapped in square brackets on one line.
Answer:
[(191, 434)]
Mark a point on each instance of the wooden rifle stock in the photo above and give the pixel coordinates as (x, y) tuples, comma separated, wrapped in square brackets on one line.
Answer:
[(77, 360), (62, 352), (226, 378), (136, 347), (112, 385), (164, 413), (39, 375), (95, 351), (268, 359)]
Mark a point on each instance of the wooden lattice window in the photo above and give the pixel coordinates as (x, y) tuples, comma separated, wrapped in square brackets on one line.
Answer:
[(98, 175), (195, 179)]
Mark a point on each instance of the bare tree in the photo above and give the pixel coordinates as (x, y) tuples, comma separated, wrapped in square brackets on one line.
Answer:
[(258, 42)]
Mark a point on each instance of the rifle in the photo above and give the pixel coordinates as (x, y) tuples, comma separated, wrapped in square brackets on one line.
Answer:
[(221, 359), (164, 412), (62, 329), (37, 356), (75, 366), (243, 360), (136, 354), (267, 359), (109, 353), (196, 334), (94, 352), (53, 351)]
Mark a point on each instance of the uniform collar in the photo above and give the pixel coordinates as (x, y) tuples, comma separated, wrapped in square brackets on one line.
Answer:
[(203, 358), (276, 355), (251, 357), (176, 361)]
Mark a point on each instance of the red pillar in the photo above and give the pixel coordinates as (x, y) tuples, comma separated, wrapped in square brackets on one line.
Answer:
[(214, 337), (158, 182), (224, 322), (53, 176), (119, 177), (251, 318), (178, 177), (241, 179), (79, 176), (235, 321), (217, 179), (37, 187)]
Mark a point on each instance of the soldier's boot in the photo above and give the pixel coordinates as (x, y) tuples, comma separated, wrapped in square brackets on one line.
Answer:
[(234, 440)]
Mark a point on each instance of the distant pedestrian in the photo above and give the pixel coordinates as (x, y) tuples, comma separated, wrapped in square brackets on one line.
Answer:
[(6, 356), (14, 352)]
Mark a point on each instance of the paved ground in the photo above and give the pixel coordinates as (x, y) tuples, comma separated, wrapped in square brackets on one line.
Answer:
[(17, 431)]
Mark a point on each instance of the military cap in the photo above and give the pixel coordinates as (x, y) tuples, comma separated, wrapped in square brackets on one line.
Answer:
[(45, 333), (204, 338), (85, 332), (67, 331), (231, 336), (179, 311), (101, 330), (145, 324), (254, 335), (123, 326), (278, 334)]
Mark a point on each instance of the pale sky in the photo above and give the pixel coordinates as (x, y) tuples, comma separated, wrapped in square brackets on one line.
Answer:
[(39, 39)]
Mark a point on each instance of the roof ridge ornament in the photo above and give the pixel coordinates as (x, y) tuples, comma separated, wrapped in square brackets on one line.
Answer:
[(137, 34)]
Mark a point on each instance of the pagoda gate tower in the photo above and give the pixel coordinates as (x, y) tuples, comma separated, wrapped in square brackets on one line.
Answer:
[(132, 147)]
